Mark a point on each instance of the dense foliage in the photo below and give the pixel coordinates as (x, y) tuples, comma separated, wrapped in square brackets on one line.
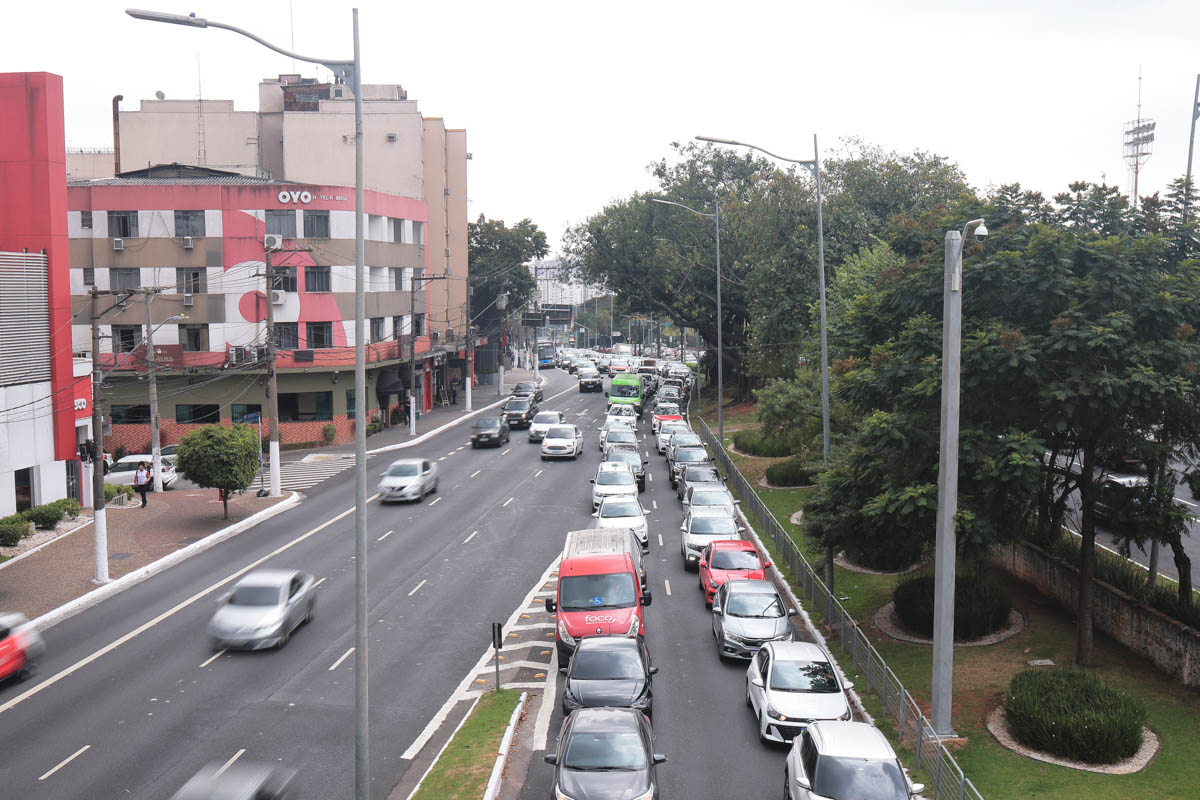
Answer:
[(756, 443), (981, 606), (220, 457), (793, 472)]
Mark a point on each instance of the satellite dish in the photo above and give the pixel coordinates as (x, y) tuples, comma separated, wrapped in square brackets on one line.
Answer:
[(160, 95)]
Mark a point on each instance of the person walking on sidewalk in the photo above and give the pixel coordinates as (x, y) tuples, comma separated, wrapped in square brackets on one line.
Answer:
[(142, 481)]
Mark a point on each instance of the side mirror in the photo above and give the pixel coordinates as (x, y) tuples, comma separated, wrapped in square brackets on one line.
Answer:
[(916, 789), (737, 502), (646, 598), (652, 671), (550, 758), (741, 528), (383, 474), (595, 514), (767, 565), (717, 612), (683, 528), (551, 605), (848, 685), (659, 758), (562, 670), (802, 782), (791, 612), (757, 680), (593, 480)]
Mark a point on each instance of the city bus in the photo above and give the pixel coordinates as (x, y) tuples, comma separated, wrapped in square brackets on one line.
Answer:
[(545, 353)]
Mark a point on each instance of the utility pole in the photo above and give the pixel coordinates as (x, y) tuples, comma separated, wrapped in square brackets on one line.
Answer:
[(412, 347), (1191, 146), (100, 518), (272, 385), (155, 441)]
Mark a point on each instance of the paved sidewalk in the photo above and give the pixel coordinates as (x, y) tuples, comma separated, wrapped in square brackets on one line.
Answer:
[(62, 569)]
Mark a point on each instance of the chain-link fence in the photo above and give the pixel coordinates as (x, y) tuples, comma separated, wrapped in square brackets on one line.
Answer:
[(945, 778)]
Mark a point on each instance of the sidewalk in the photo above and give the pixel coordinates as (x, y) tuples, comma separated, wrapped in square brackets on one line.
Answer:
[(62, 569)]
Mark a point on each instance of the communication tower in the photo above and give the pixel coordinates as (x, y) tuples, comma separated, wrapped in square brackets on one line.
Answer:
[(1139, 142)]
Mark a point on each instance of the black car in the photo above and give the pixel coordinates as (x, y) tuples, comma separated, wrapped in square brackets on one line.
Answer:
[(519, 412), (529, 388), (606, 753), (609, 671), (590, 380), (489, 430), (630, 455), (679, 457)]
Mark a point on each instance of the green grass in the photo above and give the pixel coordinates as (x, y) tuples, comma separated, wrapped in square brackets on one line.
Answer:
[(462, 770)]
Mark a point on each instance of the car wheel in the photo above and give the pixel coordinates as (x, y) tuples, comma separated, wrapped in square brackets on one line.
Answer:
[(474, 445), (543, 458), (283, 639), (312, 612), (28, 671)]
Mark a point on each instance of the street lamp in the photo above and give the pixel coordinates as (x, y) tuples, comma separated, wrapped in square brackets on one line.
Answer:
[(155, 433), (716, 218), (347, 70), (944, 552)]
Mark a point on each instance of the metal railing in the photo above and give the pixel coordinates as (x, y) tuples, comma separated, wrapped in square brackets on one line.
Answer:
[(945, 778)]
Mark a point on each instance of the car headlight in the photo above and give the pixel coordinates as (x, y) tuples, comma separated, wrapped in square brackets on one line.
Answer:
[(733, 637), (649, 795), (635, 624), (558, 794), (773, 713), (564, 635), (849, 715), (783, 637)]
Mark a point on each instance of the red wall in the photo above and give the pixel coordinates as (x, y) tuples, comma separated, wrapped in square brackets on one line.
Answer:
[(33, 215)]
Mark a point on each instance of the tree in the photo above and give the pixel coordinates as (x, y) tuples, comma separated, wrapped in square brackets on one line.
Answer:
[(220, 457)]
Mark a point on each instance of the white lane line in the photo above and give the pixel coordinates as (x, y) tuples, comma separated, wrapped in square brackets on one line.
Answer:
[(338, 663), (318, 583), (469, 538), (647, 454), (229, 763), (452, 452), (654, 503), (476, 472), (650, 478), (459, 448), (539, 472), (138, 631), (506, 452), (381, 538), (443, 458), (660, 544), (66, 761), (417, 588), (1187, 502), (667, 585), (506, 502), (436, 500), (212, 658)]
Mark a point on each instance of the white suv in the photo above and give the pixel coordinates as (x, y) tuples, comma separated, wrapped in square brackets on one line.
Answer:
[(613, 478), (845, 759)]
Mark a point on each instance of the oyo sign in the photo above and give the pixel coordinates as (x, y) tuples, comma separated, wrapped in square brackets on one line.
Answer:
[(288, 196)]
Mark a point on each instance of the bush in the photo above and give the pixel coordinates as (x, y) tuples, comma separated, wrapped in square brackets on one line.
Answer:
[(898, 555), (755, 444), (45, 517), (69, 506), (792, 473), (329, 432), (374, 428), (12, 530), (1072, 714), (111, 490), (981, 606)]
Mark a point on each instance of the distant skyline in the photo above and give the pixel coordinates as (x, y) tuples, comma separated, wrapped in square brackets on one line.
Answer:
[(565, 105)]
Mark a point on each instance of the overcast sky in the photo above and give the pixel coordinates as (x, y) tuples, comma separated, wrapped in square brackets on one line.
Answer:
[(565, 103)]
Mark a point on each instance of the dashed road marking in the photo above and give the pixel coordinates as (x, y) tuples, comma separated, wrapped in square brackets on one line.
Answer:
[(660, 543), (443, 458), (650, 478), (469, 538), (655, 504), (381, 538), (476, 472), (667, 585), (212, 658), (318, 583), (436, 500), (417, 588), (229, 763), (506, 502), (506, 452), (345, 655), (66, 761), (539, 472)]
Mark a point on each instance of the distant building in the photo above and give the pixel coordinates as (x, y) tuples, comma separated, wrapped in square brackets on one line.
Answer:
[(555, 286)]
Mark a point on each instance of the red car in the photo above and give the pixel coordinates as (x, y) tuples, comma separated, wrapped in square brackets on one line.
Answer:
[(21, 647), (729, 559)]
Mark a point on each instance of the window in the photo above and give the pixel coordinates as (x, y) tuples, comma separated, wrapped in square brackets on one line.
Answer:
[(283, 279), (199, 414), (122, 224), (287, 335), (124, 278), (282, 222), (194, 338), (349, 404), (126, 337), (191, 280), (131, 415), (418, 233), (397, 327), (316, 224), (399, 280), (398, 231), (89, 276), (377, 334), (189, 223), (319, 335), (85, 220), (243, 410), (418, 326), (316, 279), (305, 406)]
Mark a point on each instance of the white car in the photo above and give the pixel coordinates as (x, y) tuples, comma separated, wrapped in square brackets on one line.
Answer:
[(562, 441), (125, 470), (664, 433), (624, 512), (408, 479), (703, 525), (619, 412), (789, 685), (704, 496), (608, 427), (845, 759), (542, 422), (613, 478)]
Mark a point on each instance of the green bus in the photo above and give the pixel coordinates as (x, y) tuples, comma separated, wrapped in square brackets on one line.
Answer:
[(626, 389)]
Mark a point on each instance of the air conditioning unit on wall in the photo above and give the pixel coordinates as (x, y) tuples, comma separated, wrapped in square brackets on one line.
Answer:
[(187, 243), (277, 297), (189, 300), (272, 242), (118, 245)]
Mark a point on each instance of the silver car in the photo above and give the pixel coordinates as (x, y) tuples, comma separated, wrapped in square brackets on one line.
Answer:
[(701, 527), (125, 470), (562, 441), (408, 479), (707, 495), (746, 614), (263, 609), (542, 422), (610, 426), (665, 431), (225, 781), (844, 759), (623, 511)]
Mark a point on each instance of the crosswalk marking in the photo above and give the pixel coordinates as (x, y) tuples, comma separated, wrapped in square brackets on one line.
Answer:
[(295, 475)]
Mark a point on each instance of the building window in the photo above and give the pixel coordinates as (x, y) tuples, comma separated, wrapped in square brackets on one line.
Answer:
[(401, 280), (398, 231), (283, 279), (85, 220), (350, 414), (305, 406), (198, 414), (418, 233), (377, 334), (194, 338), (319, 335), (316, 224), (397, 327), (125, 278), (287, 335), (418, 326), (282, 222), (316, 279), (242, 410), (122, 224), (190, 280), (130, 415), (189, 223), (126, 338), (89, 276)]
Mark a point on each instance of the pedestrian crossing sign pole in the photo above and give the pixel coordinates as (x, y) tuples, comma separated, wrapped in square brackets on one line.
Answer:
[(254, 418)]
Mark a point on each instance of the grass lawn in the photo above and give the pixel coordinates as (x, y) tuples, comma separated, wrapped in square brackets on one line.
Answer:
[(462, 770)]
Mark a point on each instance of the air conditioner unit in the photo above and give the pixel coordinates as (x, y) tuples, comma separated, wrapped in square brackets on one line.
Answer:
[(189, 300), (187, 243), (237, 355), (273, 242), (118, 245), (277, 297)]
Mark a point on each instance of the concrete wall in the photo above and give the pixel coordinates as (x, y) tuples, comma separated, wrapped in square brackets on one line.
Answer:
[(1171, 645), (168, 131), (86, 165)]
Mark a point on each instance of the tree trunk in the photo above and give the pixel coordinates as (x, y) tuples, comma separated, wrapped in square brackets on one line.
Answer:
[(1087, 558), (1183, 565), (225, 503)]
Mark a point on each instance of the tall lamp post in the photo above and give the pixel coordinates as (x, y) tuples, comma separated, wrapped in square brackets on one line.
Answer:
[(348, 70), (943, 576), (716, 218), (152, 379)]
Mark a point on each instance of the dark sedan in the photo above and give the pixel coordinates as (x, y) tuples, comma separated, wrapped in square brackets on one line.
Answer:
[(699, 475), (489, 430), (606, 754), (519, 412), (528, 388), (609, 671)]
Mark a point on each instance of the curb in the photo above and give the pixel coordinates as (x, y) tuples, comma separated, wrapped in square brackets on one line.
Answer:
[(493, 784), (449, 739), (99, 594)]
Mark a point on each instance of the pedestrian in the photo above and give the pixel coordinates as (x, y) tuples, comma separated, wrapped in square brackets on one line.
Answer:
[(407, 409), (454, 391), (142, 481)]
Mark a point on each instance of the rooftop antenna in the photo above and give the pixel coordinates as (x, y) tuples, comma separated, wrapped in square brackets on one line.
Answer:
[(292, 23), (201, 153), (1139, 141)]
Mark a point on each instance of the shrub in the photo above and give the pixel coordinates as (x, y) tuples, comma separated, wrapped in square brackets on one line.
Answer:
[(12, 530), (754, 443), (374, 428), (792, 473), (329, 432), (1073, 714), (46, 517), (69, 506), (111, 490), (981, 606), (898, 555)]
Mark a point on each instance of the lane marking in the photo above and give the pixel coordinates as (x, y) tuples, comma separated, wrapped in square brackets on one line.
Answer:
[(476, 472), (469, 538), (318, 583), (66, 761), (506, 502), (443, 458), (660, 544), (338, 663), (506, 452), (452, 452), (229, 763), (212, 658), (436, 500), (655, 504), (539, 472), (381, 538), (417, 588), (1186, 502), (667, 583), (650, 478)]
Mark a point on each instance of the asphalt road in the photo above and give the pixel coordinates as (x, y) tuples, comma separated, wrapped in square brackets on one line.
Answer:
[(130, 701)]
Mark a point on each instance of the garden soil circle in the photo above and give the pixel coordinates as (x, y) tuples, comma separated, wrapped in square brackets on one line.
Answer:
[(1136, 763), (841, 561), (889, 623)]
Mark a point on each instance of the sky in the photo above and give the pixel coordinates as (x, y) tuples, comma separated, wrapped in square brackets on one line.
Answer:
[(566, 103)]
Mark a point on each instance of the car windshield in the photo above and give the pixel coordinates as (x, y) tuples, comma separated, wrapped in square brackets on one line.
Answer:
[(625, 457), (673, 426), (403, 470), (607, 665), (547, 418), (605, 750), (619, 436), (667, 410), (627, 509), (516, 405), (803, 676), (859, 777), (525, 388), (711, 499), (622, 411), (625, 390), (585, 592), (616, 478), (702, 475), (735, 559), (560, 433), (755, 606), (689, 440), (486, 424), (255, 596), (712, 525), (691, 454), (588, 372)]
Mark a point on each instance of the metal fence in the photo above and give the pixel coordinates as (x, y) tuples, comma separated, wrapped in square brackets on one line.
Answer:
[(945, 778)]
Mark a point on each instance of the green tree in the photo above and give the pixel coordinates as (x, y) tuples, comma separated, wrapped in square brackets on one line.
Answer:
[(498, 256), (220, 457)]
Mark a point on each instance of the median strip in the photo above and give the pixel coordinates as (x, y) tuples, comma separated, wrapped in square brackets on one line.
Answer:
[(464, 767)]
